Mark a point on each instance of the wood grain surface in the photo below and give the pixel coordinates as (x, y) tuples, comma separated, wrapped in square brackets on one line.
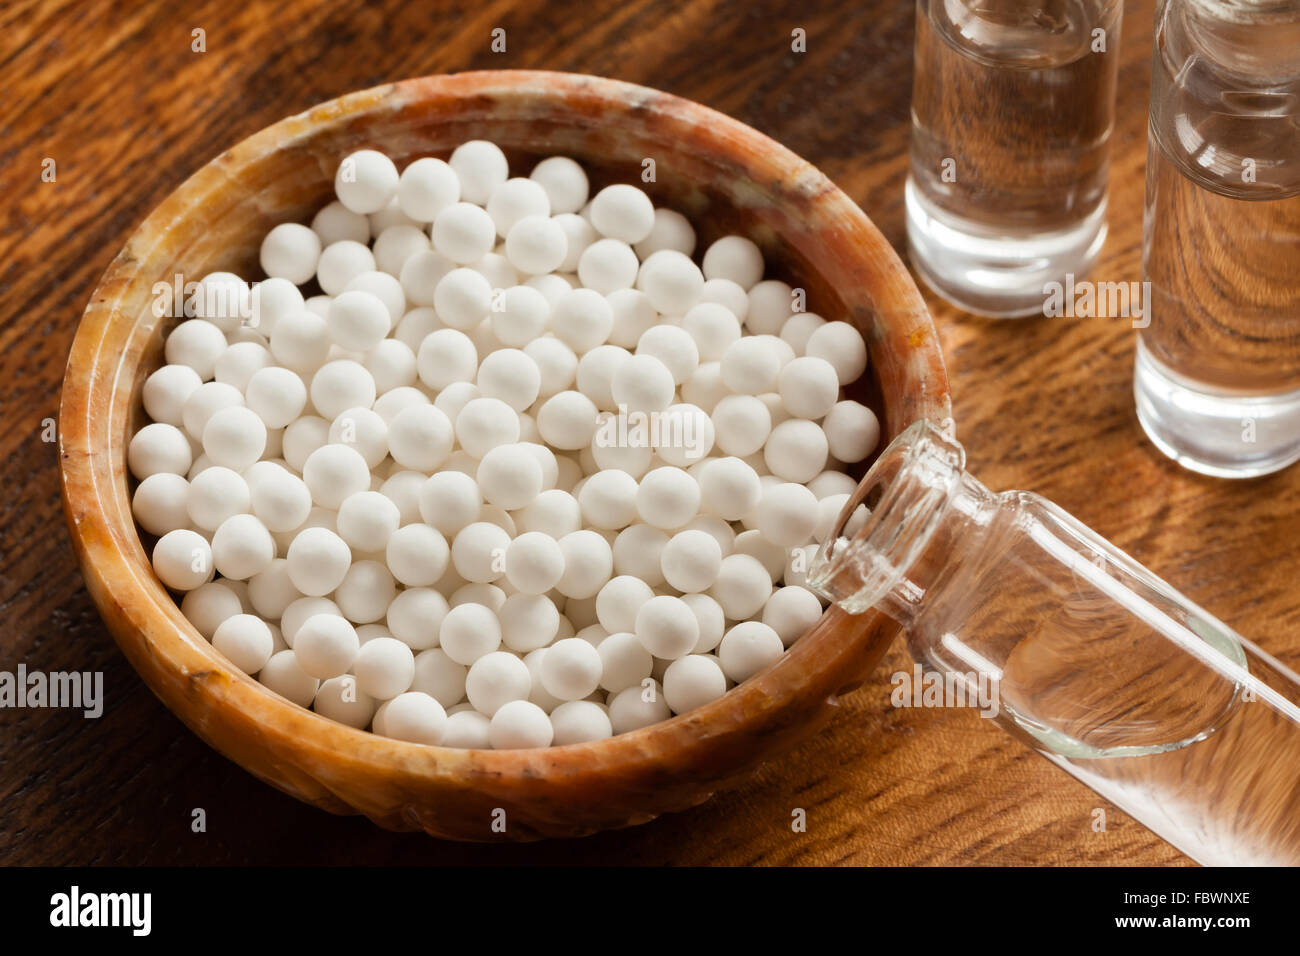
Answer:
[(115, 95)]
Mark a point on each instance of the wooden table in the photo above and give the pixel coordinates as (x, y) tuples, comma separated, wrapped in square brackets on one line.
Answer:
[(126, 109)]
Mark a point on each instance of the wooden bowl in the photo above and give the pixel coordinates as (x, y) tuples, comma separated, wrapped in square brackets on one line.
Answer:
[(725, 177)]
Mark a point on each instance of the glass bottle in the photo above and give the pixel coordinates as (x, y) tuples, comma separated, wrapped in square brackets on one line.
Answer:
[(1012, 104), (1217, 378), (1092, 660)]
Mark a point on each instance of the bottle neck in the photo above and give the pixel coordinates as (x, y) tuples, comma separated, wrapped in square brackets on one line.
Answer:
[(904, 528)]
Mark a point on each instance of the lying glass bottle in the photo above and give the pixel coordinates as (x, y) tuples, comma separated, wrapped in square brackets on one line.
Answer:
[(1094, 661)]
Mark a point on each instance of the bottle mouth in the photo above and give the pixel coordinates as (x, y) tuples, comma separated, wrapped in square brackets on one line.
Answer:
[(887, 522)]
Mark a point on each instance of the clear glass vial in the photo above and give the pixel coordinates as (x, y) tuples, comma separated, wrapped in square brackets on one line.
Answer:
[(1092, 660), (1217, 379), (1012, 104)]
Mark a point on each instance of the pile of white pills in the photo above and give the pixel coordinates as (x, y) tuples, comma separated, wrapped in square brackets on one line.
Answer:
[(522, 472)]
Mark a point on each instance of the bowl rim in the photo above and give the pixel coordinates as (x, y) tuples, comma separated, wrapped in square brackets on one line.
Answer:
[(102, 527)]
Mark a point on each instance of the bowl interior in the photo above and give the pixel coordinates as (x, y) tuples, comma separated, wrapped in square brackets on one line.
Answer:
[(725, 178)]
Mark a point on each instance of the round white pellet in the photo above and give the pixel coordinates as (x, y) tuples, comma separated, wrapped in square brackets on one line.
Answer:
[(742, 586), (301, 342), (439, 676), (520, 316), (571, 669), (394, 247), (481, 167), (333, 472), (666, 627), (160, 503), (298, 611), (796, 450), (467, 730), (714, 329), (182, 559), (420, 438), (840, 344), (691, 561), (637, 707), (496, 679), (336, 222), (787, 514), (637, 551), (290, 251), (419, 278), (791, 611), (246, 640), (588, 564), (609, 499), (338, 699), (623, 212), (748, 648), (326, 645), (283, 675), (674, 347), (462, 298), (463, 233), (484, 424), (770, 305), (685, 435), (693, 681), (671, 281), (478, 551), (510, 477), (520, 725), (852, 431), (567, 420), (772, 556), (624, 661), (554, 513), (413, 717), (798, 328), (415, 617), (742, 424), (165, 391), (633, 316), (318, 559), (366, 591), (446, 356), (236, 365), (357, 320), (158, 448), (208, 605), (735, 258), (417, 555), (282, 501), (582, 319), (366, 520), (808, 387), (276, 395), (366, 181), (517, 199), (618, 602), (534, 562), (196, 344), (528, 621), (671, 230), (449, 501), (667, 498), (564, 181), (224, 299), (233, 437), (216, 494), (608, 265), (302, 437), (727, 294), (643, 384), (579, 722), (340, 263), (511, 376), (729, 488), (711, 619), (426, 187), (750, 366)]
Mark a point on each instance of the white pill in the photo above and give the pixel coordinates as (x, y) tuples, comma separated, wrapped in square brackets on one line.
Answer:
[(692, 681), (338, 699), (638, 707), (510, 477), (729, 488), (366, 181), (301, 342), (446, 356), (203, 403), (691, 561), (564, 181), (468, 632), (326, 645), (528, 621), (840, 344), (671, 281), (290, 251), (182, 559), (685, 435), (333, 472), (753, 543), (517, 199), (770, 304), (165, 391), (340, 263), (302, 437), (415, 617), (588, 564), (609, 499), (196, 344), (467, 730), (233, 437), (534, 562), (496, 679), (727, 294), (236, 365), (618, 602), (478, 551), (419, 278), (462, 298), (393, 248), (643, 384), (413, 717), (520, 725), (742, 424), (571, 669), (791, 612), (426, 187), (808, 387), (242, 547), (276, 395), (674, 347), (832, 483), (735, 258), (246, 640), (742, 586), (787, 514), (485, 423), (281, 500), (420, 437), (224, 299), (798, 328), (582, 319), (160, 503), (796, 450), (298, 611), (608, 265), (417, 555), (624, 662), (463, 233), (481, 167), (671, 230), (519, 316), (511, 376), (271, 591), (667, 498), (666, 627), (567, 420), (439, 676), (336, 221), (748, 648), (157, 448), (714, 329), (554, 513), (283, 675), (623, 212), (750, 366), (273, 299), (366, 591), (637, 552), (449, 500), (711, 619), (852, 431), (358, 320), (318, 559), (366, 520), (579, 722)]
